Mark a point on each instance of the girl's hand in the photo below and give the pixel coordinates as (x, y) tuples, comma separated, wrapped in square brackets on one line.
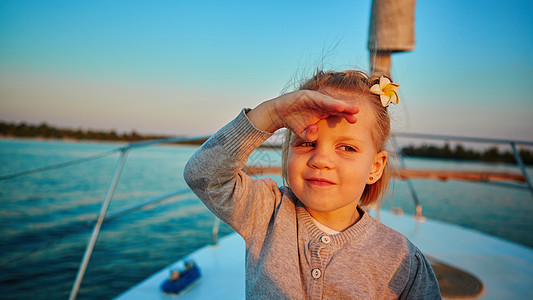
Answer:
[(299, 111)]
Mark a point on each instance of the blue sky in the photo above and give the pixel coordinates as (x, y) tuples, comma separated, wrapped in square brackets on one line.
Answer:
[(188, 67)]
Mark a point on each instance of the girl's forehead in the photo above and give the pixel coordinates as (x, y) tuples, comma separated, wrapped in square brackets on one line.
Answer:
[(345, 95), (335, 126), (361, 99)]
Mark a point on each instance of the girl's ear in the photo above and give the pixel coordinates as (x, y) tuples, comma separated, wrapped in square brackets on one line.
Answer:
[(380, 159)]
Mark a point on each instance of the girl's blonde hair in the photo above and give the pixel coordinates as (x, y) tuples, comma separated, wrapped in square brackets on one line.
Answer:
[(355, 82)]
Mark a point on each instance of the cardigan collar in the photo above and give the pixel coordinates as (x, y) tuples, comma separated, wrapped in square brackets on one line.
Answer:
[(353, 232)]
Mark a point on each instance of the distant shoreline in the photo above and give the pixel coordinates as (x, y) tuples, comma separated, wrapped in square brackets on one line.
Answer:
[(45, 132), (87, 141)]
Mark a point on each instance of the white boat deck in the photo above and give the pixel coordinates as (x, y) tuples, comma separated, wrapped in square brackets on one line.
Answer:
[(505, 268), (222, 268)]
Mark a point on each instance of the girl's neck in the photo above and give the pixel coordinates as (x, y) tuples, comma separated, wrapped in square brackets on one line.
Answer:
[(338, 221)]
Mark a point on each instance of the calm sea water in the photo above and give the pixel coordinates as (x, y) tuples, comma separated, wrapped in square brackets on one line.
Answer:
[(46, 218)]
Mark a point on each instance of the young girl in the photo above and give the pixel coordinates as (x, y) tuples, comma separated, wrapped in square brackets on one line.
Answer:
[(311, 239)]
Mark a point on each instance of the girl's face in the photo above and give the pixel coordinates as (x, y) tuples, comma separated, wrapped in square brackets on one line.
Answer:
[(329, 175)]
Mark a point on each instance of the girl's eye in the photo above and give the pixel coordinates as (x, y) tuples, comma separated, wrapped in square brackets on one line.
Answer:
[(347, 148), (306, 144)]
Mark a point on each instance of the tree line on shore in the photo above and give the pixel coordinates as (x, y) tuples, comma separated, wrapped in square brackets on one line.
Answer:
[(46, 131), (43, 130), (491, 154)]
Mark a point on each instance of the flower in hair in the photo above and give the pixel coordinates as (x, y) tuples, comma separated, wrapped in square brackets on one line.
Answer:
[(387, 91)]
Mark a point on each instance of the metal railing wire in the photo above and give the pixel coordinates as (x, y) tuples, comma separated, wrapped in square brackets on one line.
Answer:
[(59, 165)]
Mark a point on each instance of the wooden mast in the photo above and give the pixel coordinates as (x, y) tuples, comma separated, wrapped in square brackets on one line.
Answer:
[(392, 29)]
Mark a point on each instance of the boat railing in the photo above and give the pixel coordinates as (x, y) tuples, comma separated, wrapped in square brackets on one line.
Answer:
[(512, 143), (103, 216), (109, 195)]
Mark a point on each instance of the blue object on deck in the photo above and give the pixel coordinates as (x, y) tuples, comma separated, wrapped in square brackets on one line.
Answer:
[(176, 284)]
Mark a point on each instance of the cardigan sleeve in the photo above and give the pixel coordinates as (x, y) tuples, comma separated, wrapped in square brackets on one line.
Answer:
[(214, 173), (422, 282)]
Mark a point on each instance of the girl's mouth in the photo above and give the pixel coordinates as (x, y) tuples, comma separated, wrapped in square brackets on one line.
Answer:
[(319, 181)]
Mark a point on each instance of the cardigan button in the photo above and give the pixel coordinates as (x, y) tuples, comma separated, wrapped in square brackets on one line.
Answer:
[(316, 273), (325, 239)]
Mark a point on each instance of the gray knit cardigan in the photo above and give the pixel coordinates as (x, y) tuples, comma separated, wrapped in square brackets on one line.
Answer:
[(287, 255)]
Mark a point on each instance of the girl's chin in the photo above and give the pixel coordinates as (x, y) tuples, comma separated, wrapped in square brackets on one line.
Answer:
[(317, 206), (315, 202)]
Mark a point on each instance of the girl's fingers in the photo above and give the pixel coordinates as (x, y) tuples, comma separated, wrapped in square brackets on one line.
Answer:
[(351, 118), (336, 107), (349, 113), (310, 133), (300, 110)]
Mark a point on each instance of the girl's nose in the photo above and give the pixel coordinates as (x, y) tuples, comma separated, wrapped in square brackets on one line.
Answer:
[(320, 159)]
